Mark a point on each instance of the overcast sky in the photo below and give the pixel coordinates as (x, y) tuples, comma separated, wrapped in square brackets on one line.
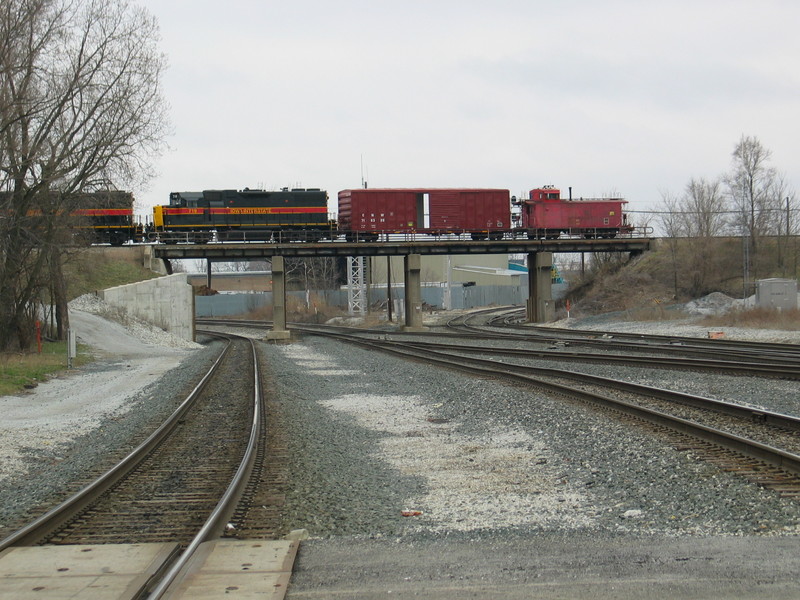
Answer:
[(630, 97)]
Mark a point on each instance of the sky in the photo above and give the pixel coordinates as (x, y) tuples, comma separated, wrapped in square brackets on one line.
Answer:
[(630, 98)]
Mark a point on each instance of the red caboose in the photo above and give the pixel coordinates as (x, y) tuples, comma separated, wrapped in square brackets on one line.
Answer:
[(546, 215), (367, 213)]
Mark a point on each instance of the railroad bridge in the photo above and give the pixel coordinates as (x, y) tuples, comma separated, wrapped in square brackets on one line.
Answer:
[(539, 260)]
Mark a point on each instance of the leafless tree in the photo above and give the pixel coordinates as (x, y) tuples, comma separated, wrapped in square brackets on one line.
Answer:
[(751, 183), (784, 224), (695, 217), (671, 223), (703, 208), (312, 273), (703, 212), (81, 109)]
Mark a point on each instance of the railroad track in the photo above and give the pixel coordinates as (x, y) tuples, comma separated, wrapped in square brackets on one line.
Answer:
[(736, 437), (762, 446), (482, 325), (558, 353), (650, 356), (180, 485)]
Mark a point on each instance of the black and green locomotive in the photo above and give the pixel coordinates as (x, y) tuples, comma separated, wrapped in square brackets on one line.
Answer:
[(243, 215)]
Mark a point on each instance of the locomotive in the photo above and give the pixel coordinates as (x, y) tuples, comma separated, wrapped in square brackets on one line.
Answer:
[(104, 217), (107, 218), (245, 215), (301, 214)]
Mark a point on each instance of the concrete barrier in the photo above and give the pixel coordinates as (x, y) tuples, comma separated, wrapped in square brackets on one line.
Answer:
[(167, 302)]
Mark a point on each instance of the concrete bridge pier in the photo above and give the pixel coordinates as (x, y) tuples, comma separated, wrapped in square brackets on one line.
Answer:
[(412, 267), (540, 306), (279, 331)]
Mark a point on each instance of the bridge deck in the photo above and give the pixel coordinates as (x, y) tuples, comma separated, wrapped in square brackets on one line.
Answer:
[(253, 250)]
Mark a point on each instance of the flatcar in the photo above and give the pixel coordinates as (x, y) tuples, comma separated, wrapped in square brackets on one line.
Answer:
[(243, 215), (545, 215), (366, 214)]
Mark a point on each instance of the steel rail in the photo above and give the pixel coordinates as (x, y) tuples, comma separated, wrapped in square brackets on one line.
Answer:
[(769, 368), (776, 349), (736, 410), (774, 456), (63, 512), (764, 370), (645, 343), (219, 517)]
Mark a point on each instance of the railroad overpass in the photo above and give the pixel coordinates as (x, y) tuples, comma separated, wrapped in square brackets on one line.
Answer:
[(539, 258)]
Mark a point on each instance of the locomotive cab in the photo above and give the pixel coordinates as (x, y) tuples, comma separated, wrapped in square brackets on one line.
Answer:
[(185, 199)]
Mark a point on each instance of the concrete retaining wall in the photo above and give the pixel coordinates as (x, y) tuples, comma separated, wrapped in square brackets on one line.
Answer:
[(167, 302)]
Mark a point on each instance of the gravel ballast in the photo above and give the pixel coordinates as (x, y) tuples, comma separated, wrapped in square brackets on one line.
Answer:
[(414, 459), (80, 423), (471, 455)]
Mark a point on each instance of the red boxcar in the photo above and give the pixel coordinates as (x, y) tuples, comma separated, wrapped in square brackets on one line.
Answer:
[(369, 212), (546, 215)]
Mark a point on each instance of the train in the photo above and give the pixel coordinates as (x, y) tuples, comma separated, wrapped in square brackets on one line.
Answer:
[(244, 215), (108, 218), (104, 217), (366, 214), (546, 215)]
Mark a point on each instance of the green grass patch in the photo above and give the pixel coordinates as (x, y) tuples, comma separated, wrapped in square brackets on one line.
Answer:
[(92, 270), (19, 370)]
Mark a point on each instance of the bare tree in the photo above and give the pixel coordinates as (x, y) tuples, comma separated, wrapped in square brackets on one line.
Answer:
[(312, 273), (783, 225), (697, 216), (704, 207), (703, 211), (750, 183), (671, 223), (81, 110)]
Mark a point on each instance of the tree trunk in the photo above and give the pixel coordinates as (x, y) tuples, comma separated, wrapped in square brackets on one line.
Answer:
[(59, 298)]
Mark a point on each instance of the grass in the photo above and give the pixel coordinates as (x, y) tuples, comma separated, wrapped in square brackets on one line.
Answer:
[(91, 270), (758, 318), (298, 312), (86, 271), (19, 370), (654, 314), (695, 269)]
